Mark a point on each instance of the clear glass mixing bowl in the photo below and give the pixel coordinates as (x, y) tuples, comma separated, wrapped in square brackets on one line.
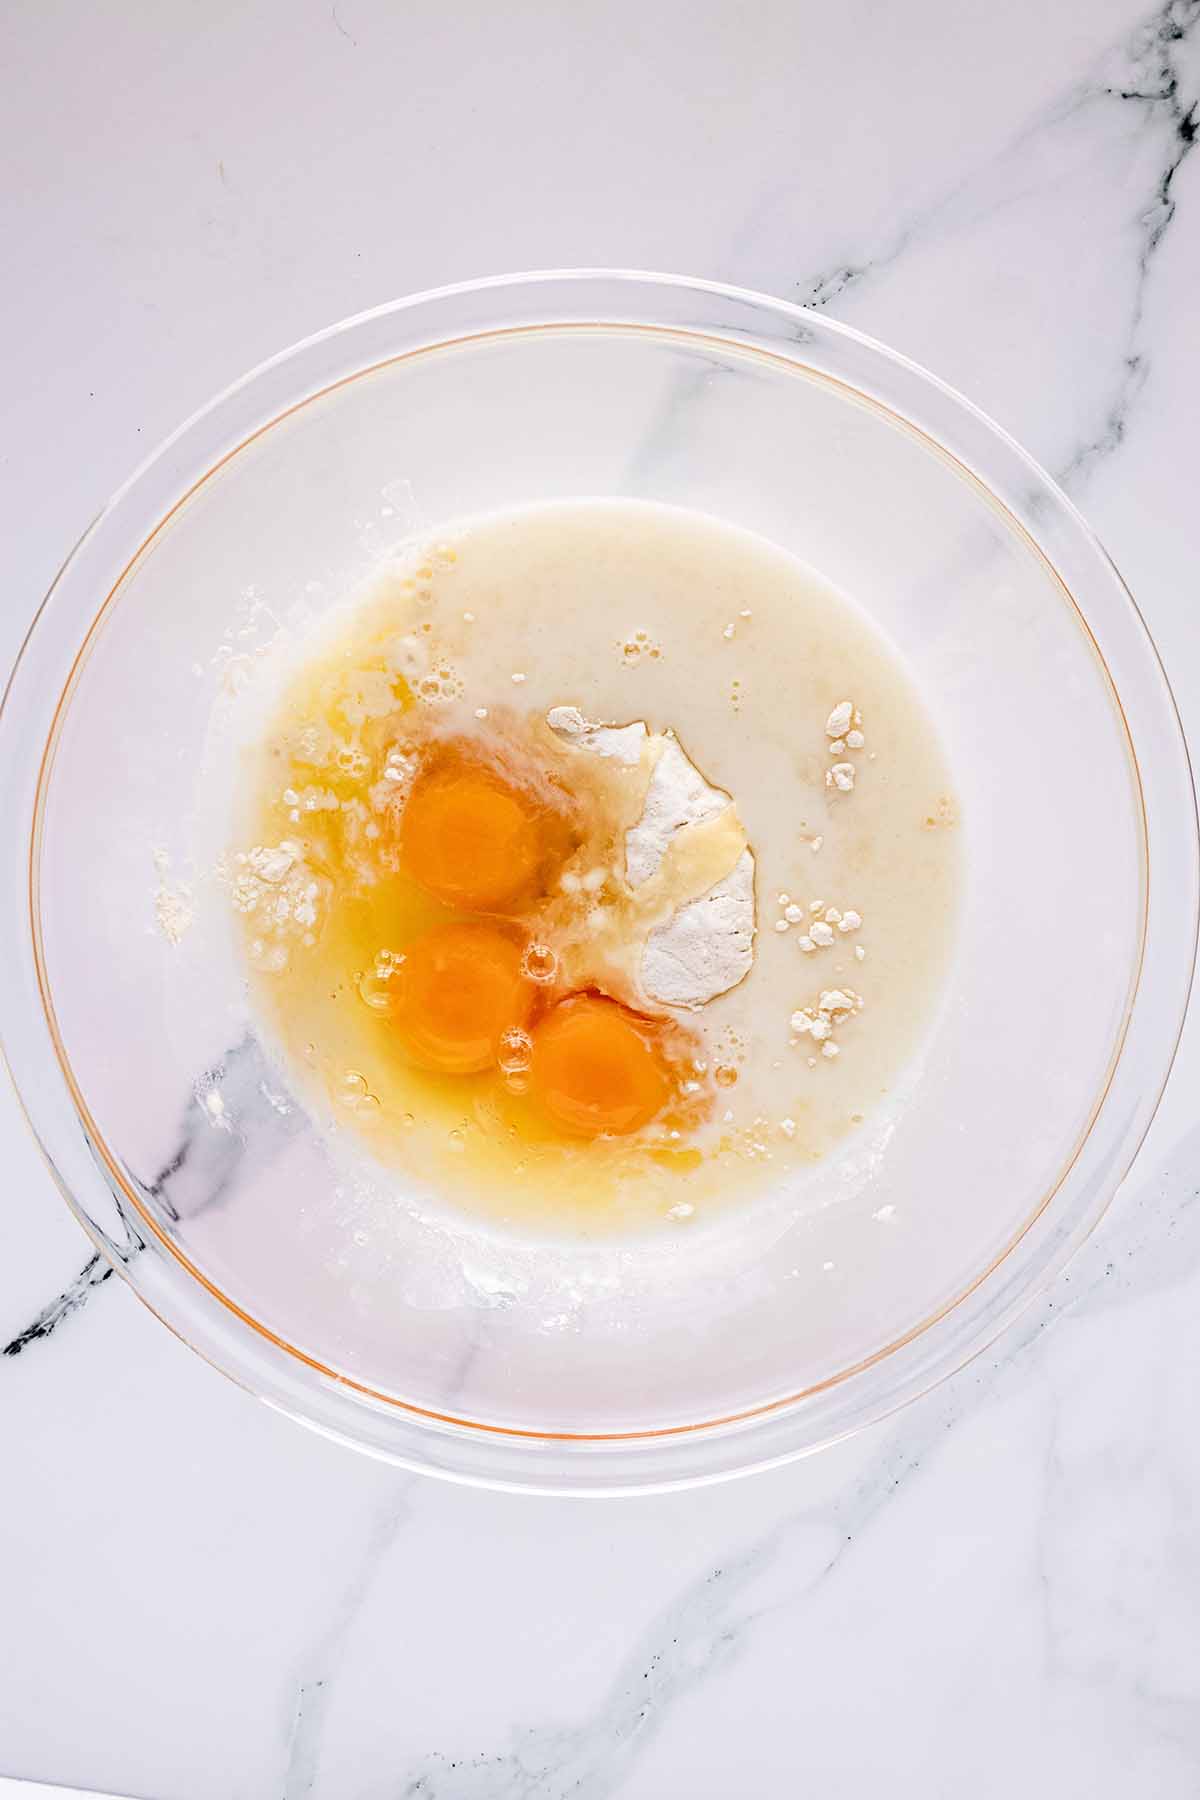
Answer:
[(172, 1135)]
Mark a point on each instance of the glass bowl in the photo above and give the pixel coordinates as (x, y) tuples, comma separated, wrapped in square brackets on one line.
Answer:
[(171, 1131)]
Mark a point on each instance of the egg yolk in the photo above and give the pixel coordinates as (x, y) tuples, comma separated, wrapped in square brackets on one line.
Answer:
[(595, 1067), (470, 839), (458, 990)]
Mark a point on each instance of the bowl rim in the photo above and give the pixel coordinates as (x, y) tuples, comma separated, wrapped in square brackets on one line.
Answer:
[(739, 1429)]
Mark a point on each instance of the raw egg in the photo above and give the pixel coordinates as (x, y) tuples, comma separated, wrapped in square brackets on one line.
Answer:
[(470, 838), (458, 990), (596, 1067)]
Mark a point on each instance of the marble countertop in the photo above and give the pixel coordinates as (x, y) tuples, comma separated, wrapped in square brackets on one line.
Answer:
[(998, 1590)]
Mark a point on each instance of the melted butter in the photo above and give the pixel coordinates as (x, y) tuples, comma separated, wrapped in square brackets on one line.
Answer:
[(342, 753), (697, 857)]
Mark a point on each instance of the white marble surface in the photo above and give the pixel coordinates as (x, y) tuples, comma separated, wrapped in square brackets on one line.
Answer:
[(998, 1591)]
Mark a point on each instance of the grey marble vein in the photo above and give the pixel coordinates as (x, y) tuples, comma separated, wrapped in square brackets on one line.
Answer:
[(200, 1172), (1147, 71), (94, 1272), (688, 1644), (1151, 1245), (1157, 83), (311, 1689)]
